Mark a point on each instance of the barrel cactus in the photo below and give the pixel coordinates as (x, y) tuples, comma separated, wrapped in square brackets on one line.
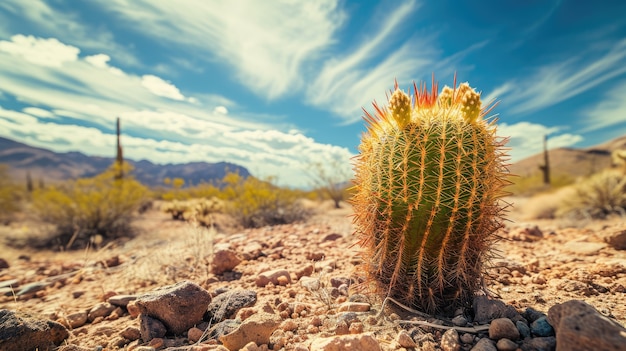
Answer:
[(428, 183)]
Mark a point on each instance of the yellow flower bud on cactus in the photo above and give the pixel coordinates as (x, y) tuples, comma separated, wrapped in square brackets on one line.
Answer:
[(428, 181)]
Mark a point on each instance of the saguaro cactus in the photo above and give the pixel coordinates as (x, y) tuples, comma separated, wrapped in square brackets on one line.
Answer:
[(428, 181)]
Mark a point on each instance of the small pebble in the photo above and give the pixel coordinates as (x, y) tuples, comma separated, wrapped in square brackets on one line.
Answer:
[(523, 329), (459, 321), (405, 340), (506, 345), (541, 327), (450, 341), (503, 328)]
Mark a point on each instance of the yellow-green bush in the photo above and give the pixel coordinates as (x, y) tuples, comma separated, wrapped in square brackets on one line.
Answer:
[(256, 203), (101, 205), (599, 196), (10, 196)]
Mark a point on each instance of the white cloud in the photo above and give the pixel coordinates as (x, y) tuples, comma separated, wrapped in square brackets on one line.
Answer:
[(159, 87), (556, 82), (222, 110), (346, 84), (267, 43), (609, 112), (63, 23), (38, 112), (526, 139), (42, 52), (180, 131)]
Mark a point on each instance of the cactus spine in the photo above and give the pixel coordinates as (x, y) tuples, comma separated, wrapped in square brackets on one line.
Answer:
[(428, 181)]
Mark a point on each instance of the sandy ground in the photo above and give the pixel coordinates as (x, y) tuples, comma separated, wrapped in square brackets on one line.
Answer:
[(541, 263)]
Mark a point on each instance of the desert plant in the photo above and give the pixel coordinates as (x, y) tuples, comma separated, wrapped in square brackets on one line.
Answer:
[(599, 196), (331, 179), (103, 205), (10, 196), (429, 177), (256, 203)]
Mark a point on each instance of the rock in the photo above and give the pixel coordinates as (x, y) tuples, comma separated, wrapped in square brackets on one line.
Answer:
[(459, 321), (467, 338), (486, 310), (584, 248), (131, 333), (272, 276), (503, 328), (359, 342), (4, 264), (21, 331), (257, 328), (150, 328), (405, 340), (179, 306), (121, 300), (222, 328), (252, 251), (224, 260), (541, 327), (195, 334), (228, 304), (313, 284), (579, 326), (539, 344), (305, 271), (532, 314), (354, 307), (450, 340), (336, 282), (617, 240), (506, 345), (332, 237), (484, 344), (76, 320), (523, 328), (32, 288), (102, 309)]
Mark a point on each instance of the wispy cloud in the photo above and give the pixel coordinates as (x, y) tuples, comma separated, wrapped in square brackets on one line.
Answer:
[(266, 43), (556, 82), (91, 93), (53, 22), (348, 83), (611, 111), (525, 138)]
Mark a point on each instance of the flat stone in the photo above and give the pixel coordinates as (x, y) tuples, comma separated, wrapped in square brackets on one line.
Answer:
[(257, 328), (486, 310), (354, 307), (617, 240), (539, 344), (584, 248), (405, 340), (506, 345), (179, 306), (121, 300), (228, 304), (102, 309), (20, 331), (76, 320), (357, 342), (579, 326)]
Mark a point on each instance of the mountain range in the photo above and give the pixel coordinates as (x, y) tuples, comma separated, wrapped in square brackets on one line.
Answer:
[(50, 166)]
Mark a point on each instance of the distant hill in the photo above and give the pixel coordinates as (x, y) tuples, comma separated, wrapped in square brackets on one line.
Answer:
[(570, 161), (52, 166)]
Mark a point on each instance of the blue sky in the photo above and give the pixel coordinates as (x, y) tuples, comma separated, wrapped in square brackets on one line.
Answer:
[(279, 85)]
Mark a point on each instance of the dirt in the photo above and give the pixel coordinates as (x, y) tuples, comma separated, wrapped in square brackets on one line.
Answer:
[(541, 263)]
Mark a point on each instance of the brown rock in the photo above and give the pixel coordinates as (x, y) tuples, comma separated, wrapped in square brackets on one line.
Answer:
[(354, 307), (272, 276), (450, 340), (179, 306), (405, 340), (257, 328), (150, 328), (617, 240), (503, 328), (102, 309), (20, 331), (579, 327), (359, 342), (76, 320), (224, 260), (131, 333), (195, 334)]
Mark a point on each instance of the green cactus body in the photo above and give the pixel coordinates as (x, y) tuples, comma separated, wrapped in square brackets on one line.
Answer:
[(428, 179)]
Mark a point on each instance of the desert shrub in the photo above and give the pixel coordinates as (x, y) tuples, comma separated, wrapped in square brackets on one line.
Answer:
[(255, 203), (599, 196), (533, 184), (87, 207), (10, 196)]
